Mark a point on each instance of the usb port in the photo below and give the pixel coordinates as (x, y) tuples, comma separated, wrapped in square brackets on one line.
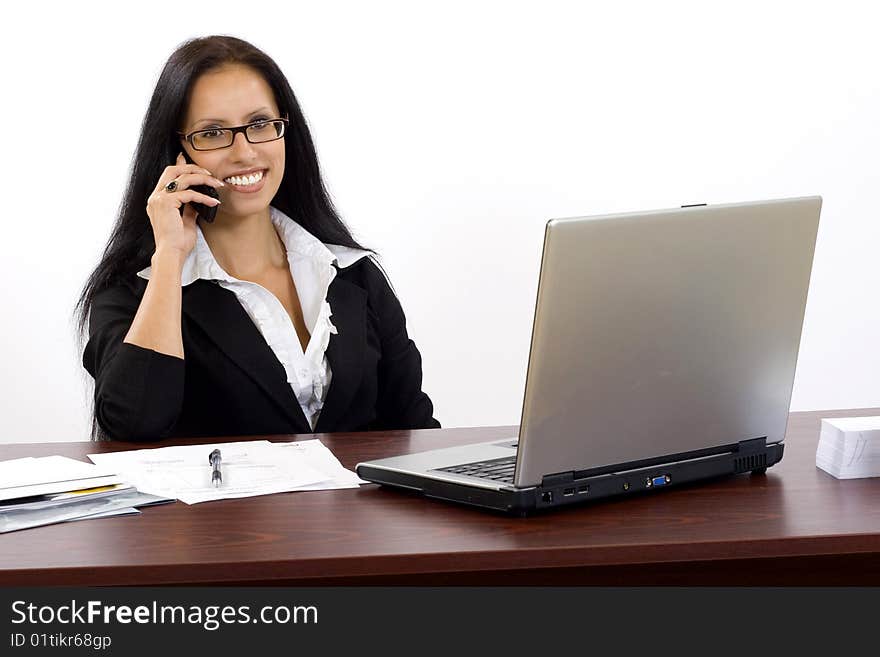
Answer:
[(660, 481), (568, 492), (583, 490)]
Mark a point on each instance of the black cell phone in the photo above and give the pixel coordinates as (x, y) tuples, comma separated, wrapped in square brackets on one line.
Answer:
[(203, 212)]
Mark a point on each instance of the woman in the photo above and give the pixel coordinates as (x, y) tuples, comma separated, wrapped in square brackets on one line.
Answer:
[(270, 319)]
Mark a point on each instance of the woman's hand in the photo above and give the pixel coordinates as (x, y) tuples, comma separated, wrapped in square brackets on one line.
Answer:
[(176, 234)]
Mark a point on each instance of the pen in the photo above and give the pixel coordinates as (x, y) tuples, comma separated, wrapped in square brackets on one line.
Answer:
[(214, 460)]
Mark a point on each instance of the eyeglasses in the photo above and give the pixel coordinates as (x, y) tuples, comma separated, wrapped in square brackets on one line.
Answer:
[(257, 132)]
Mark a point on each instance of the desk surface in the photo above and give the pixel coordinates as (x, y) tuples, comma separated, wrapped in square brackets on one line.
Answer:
[(795, 525)]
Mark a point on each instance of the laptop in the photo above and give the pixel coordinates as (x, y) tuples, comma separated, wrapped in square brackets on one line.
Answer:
[(663, 352)]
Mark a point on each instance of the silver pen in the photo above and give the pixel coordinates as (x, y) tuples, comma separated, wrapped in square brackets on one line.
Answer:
[(214, 459)]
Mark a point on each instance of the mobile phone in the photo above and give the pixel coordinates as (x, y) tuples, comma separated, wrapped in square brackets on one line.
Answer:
[(203, 212)]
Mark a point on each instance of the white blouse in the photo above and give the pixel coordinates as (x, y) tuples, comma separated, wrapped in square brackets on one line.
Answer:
[(311, 267)]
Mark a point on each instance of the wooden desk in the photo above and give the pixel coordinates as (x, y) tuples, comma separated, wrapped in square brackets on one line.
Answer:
[(796, 525)]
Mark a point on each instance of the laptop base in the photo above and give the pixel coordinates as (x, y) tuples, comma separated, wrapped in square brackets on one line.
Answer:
[(565, 490)]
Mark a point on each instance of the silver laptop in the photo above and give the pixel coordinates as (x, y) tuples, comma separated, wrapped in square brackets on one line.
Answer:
[(663, 352)]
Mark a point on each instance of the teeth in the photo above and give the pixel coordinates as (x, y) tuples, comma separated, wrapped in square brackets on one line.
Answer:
[(243, 181)]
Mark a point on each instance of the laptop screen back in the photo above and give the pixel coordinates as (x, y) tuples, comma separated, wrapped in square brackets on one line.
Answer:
[(664, 332)]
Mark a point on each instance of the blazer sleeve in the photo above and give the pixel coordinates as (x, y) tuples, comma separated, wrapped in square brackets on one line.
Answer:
[(138, 392), (400, 403)]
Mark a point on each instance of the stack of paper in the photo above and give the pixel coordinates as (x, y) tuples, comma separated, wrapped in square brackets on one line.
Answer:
[(248, 469), (849, 448), (51, 489), (50, 474)]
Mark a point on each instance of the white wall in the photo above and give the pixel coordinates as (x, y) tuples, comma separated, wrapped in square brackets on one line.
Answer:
[(449, 133)]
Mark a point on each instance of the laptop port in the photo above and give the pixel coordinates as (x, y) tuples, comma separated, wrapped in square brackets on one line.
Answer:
[(583, 490), (568, 492), (547, 497), (662, 480)]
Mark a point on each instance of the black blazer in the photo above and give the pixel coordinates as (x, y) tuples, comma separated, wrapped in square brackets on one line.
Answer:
[(231, 383)]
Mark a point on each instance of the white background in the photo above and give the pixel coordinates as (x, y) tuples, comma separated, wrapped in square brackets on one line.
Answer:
[(448, 134)]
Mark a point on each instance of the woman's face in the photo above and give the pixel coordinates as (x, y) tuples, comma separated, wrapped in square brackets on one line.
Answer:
[(231, 96)]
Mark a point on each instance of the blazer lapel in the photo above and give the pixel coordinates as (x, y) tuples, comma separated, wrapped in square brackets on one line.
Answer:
[(345, 351), (222, 318)]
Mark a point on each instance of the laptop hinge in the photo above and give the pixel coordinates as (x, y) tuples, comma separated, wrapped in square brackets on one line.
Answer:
[(751, 456), (752, 445), (557, 479)]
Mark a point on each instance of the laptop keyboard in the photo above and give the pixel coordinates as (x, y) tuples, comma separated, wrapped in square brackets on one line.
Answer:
[(500, 470)]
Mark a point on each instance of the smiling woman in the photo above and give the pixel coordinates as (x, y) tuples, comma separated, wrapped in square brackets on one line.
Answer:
[(237, 89), (237, 325)]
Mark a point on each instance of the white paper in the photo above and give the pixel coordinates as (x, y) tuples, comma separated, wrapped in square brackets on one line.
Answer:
[(849, 448), (11, 468), (321, 458), (248, 468), (57, 487), (854, 423), (50, 474)]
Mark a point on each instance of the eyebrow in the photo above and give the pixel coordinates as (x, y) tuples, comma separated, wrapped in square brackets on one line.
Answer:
[(256, 111)]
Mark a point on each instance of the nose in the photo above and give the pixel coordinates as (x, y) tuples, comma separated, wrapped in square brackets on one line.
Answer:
[(241, 148)]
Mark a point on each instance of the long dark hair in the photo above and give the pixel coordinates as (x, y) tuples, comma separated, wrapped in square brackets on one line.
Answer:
[(301, 196)]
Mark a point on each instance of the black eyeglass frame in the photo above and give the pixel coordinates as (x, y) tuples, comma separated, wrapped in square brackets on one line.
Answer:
[(235, 130)]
